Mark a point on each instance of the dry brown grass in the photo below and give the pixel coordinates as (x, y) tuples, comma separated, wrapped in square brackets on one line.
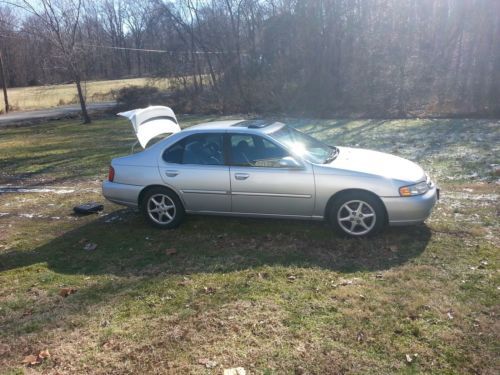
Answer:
[(40, 97)]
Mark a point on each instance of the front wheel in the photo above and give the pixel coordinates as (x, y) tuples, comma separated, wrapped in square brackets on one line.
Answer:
[(162, 208), (357, 214)]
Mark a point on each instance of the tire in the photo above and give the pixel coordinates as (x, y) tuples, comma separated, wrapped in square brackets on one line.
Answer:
[(169, 209), (348, 221)]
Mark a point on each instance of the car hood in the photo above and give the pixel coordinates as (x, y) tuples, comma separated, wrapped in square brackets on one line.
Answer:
[(151, 122), (377, 163)]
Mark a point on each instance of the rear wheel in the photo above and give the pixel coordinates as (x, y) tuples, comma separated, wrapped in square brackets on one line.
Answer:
[(357, 214), (162, 208)]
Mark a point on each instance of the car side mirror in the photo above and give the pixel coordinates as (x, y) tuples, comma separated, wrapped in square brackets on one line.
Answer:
[(289, 162)]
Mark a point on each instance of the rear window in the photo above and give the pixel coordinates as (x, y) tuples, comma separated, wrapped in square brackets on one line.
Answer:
[(174, 153)]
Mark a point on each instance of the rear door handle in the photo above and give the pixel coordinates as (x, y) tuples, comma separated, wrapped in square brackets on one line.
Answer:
[(241, 176), (171, 173)]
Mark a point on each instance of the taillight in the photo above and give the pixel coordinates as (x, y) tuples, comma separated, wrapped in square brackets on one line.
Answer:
[(111, 174)]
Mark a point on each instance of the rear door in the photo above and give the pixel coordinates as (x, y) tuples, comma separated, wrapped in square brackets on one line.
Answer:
[(259, 185), (195, 167)]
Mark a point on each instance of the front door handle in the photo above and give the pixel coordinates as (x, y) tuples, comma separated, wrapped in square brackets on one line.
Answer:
[(241, 176), (171, 173)]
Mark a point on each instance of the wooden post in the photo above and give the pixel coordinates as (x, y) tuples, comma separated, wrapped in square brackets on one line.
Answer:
[(4, 84)]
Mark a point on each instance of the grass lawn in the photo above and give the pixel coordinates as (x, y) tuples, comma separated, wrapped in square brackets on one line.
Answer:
[(271, 296), (41, 97)]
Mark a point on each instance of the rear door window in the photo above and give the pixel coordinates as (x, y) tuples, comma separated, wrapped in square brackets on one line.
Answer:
[(198, 149)]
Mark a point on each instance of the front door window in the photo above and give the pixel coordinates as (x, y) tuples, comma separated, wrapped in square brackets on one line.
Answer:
[(254, 151)]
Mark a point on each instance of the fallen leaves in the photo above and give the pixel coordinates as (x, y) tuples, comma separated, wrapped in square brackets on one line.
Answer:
[(34, 360), (410, 358), (263, 275), (171, 251), (64, 292), (449, 314), (235, 371), (185, 282), (393, 248), (4, 350), (111, 345), (482, 264), (90, 246), (27, 313), (301, 348), (44, 354), (346, 282), (207, 362), (209, 290), (360, 337)]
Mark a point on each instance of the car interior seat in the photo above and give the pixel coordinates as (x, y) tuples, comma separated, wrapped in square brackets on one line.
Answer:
[(241, 153)]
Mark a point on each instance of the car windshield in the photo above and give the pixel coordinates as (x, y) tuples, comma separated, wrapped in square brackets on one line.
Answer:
[(305, 146)]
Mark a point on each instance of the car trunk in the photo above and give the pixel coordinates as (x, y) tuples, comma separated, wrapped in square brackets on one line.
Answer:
[(151, 122)]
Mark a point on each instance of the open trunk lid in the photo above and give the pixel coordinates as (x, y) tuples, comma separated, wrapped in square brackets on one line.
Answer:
[(151, 122)]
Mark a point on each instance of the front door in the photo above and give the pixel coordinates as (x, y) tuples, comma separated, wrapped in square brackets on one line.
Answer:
[(195, 167), (259, 185)]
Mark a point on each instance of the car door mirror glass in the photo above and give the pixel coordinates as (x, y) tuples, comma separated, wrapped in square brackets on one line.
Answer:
[(289, 162)]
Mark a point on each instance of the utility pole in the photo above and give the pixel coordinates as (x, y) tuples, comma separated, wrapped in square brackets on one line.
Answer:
[(4, 84)]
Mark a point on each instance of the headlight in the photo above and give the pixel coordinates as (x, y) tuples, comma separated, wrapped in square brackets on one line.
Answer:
[(416, 189)]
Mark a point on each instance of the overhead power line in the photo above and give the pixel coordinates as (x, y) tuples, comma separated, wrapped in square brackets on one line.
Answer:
[(132, 49), (149, 50)]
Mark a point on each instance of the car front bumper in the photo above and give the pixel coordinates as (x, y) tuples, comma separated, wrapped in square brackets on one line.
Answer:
[(127, 195), (410, 210)]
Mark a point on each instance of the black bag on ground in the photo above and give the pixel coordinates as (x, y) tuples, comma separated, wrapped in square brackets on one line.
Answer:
[(88, 208)]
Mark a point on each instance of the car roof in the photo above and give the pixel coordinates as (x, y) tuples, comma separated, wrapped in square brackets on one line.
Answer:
[(238, 126)]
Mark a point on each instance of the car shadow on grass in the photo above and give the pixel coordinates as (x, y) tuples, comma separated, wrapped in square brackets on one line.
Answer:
[(145, 259), (127, 246)]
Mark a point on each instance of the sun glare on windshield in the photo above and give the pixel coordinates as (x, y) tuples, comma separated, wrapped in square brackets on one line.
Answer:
[(302, 144), (297, 148)]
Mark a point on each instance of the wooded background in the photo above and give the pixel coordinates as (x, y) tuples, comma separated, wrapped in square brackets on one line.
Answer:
[(324, 57)]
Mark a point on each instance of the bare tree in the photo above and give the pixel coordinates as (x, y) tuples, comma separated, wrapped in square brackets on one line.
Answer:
[(138, 15), (60, 21), (112, 16), (369, 57)]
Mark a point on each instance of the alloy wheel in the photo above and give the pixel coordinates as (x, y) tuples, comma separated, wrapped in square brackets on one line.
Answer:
[(161, 209), (356, 217)]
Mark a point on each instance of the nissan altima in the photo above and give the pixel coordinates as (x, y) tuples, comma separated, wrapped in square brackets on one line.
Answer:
[(265, 169)]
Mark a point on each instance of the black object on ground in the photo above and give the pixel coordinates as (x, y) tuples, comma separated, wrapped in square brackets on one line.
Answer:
[(88, 208)]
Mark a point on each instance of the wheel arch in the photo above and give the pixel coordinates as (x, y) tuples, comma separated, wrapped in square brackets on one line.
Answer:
[(149, 187), (340, 193)]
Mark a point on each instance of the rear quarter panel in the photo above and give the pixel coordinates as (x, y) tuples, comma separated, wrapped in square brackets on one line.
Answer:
[(137, 169), (137, 175)]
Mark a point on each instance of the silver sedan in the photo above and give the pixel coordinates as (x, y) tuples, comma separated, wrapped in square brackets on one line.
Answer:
[(264, 169)]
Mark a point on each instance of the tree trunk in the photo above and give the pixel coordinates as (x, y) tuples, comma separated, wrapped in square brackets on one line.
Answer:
[(3, 81), (85, 115), (139, 68)]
